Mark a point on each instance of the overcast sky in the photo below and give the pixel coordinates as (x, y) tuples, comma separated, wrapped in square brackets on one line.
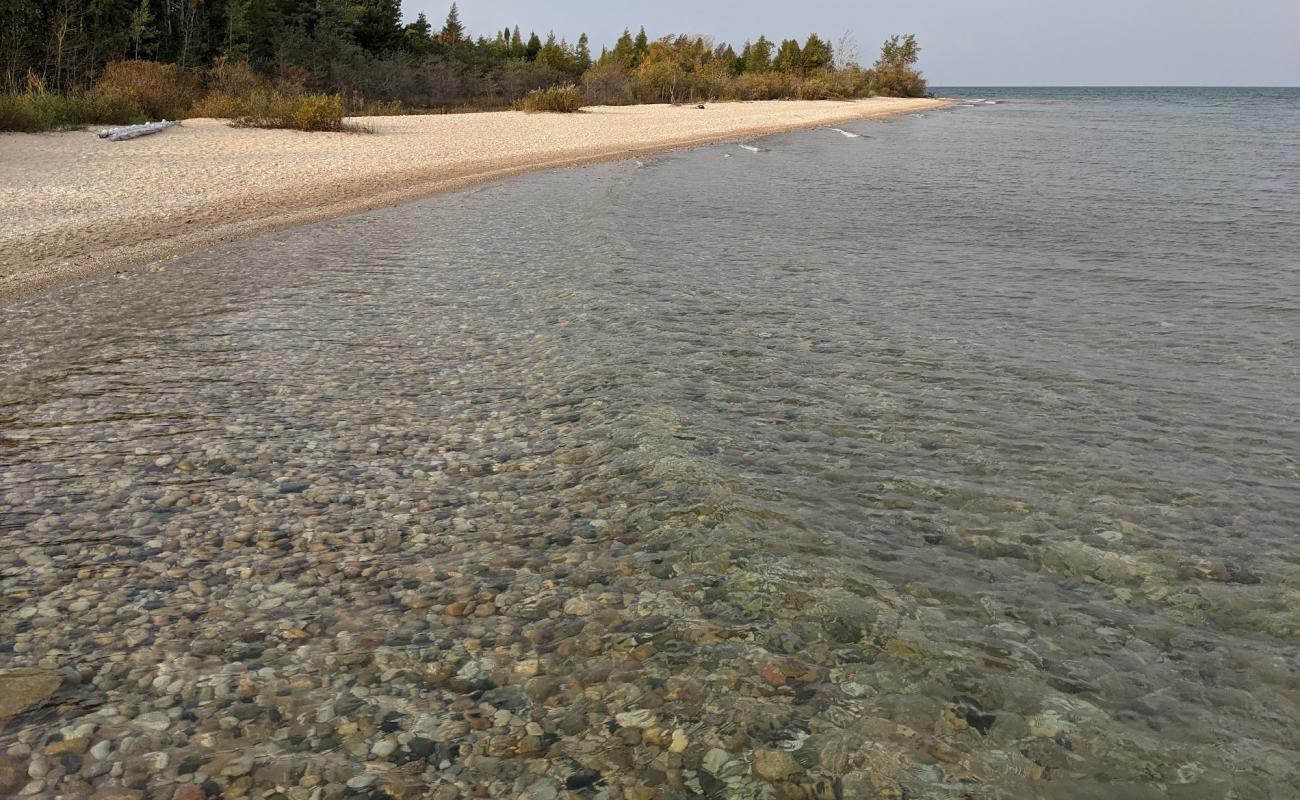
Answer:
[(963, 42)]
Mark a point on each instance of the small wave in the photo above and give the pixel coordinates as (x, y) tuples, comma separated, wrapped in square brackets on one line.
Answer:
[(849, 134), (726, 155), (751, 148)]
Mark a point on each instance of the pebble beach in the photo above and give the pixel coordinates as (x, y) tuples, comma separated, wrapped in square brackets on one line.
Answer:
[(75, 205)]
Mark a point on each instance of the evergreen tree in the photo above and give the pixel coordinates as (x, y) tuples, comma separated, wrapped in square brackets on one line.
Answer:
[(378, 24), (624, 50), (788, 58), (534, 47), (758, 57), (418, 35), (641, 46), (816, 53), (517, 49), (584, 53), (453, 32)]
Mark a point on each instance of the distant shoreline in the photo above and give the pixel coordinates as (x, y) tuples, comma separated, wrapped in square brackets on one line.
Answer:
[(75, 206)]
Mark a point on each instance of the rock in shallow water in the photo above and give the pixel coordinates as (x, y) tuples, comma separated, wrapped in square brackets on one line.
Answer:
[(23, 689)]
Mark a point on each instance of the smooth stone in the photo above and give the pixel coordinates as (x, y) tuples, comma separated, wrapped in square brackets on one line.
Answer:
[(639, 718), (21, 689), (774, 766), (13, 774), (154, 721)]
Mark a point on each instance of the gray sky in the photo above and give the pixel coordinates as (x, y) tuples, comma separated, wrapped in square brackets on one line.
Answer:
[(963, 42)]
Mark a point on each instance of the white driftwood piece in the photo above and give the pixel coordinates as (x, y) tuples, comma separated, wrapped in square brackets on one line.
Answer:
[(133, 131)]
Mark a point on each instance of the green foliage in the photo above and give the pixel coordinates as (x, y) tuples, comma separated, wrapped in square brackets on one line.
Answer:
[(453, 32), (758, 56), (895, 69), (162, 57), (816, 55), (584, 53), (557, 99), (34, 111), (789, 58), (304, 112)]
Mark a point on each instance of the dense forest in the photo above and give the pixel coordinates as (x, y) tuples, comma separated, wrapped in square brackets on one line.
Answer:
[(362, 49), (309, 64)]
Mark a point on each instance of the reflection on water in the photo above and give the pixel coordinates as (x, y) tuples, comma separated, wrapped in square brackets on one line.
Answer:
[(957, 459)]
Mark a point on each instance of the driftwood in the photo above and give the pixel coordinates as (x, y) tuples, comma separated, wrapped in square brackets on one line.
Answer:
[(134, 131)]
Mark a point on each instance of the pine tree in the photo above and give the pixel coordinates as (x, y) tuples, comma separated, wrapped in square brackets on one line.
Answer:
[(624, 50), (418, 35), (534, 47), (816, 53), (453, 32), (641, 46), (788, 58), (517, 49), (584, 53), (758, 57)]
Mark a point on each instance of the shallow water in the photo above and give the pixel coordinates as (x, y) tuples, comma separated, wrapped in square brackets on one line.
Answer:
[(957, 459)]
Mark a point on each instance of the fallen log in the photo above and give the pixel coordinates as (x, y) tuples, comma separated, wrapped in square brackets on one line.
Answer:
[(134, 131)]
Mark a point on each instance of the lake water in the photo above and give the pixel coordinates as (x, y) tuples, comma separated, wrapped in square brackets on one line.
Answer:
[(947, 456)]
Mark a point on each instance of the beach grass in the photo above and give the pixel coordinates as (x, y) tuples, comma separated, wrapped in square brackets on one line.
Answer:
[(35, 111), (557, 99)]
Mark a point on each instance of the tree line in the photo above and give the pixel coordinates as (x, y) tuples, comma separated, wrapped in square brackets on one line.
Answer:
[(361, 49)]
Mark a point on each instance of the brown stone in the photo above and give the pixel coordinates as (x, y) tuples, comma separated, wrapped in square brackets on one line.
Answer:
[(21, 689), (774, 766), (67, 746), (13, 774)]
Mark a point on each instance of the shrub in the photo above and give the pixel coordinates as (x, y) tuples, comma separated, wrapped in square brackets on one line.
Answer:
[(381, 108), (761, 86), (608, 84), (221, 105), (814, 88), (36, 110), (161, 91), (235, 78), (559, 99), (662, 81), (304, 112)]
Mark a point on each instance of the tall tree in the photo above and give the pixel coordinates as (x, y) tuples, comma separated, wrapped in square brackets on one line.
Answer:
[(584, 53), (418, 36), (534, 47), (759, 56), (142, 27), (641, 46), (789, 57), (453, 32), (816, 53)]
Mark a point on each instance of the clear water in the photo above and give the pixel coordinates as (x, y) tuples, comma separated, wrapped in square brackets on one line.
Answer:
[(956, 459)]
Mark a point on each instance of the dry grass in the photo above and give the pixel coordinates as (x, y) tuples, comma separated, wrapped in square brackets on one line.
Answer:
[(161, 91), (557, 99)]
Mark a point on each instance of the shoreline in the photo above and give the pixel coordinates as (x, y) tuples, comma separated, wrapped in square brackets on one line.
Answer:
[(76, 206)]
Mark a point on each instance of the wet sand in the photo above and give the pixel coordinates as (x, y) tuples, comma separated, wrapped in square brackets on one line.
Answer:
[(74, 205)]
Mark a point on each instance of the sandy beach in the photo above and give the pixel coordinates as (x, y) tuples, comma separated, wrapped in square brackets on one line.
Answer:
[(74, 205)]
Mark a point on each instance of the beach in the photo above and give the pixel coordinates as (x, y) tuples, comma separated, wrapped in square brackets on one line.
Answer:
[(945, 455), (75, 205)]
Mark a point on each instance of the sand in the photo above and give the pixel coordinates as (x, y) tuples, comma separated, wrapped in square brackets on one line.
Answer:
[(73, 205)]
